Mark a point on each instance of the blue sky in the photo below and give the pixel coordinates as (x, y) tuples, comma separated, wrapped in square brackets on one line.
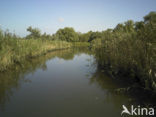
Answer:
[(82, 15)]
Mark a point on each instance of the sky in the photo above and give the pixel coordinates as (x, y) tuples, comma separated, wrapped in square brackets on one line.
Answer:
[(82, 15)]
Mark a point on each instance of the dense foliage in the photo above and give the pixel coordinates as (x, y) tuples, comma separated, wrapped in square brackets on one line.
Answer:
[(14, 50), (67, 34), (129, 50), (34, 33)]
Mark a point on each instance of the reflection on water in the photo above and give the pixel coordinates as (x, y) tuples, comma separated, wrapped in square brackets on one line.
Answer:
[(62, 83)]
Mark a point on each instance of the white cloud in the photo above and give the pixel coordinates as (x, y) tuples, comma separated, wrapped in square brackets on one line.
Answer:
[(61, 20)]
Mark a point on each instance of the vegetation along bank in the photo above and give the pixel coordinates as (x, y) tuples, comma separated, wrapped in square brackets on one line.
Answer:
[(128, 50)]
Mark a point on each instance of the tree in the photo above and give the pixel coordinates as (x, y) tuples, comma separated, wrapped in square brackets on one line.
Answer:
[(95, 35), (67, 34), (34, 33), (119, 28), (129, 26), (46, 36), (139, 25), (150, 18), (84, 37)]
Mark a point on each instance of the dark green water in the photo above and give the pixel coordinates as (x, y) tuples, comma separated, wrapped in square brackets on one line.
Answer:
[(63, 83)]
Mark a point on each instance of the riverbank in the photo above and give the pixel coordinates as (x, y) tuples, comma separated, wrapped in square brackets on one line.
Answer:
[(129, 51), (127, 65), (13, 51)]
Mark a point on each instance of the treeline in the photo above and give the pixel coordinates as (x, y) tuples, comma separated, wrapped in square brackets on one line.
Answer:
[(15, 49), (67, 34)]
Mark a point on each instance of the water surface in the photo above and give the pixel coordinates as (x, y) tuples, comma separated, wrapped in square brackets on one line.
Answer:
[(63, 83)]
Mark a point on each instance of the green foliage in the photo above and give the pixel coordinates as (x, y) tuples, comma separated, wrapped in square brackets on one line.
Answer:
[(13, 50), (81, 44), (34, 33), (130, 50), (96, 42), (67, 34), (46, 37), (150, 18), (94, 35), (84, 37)]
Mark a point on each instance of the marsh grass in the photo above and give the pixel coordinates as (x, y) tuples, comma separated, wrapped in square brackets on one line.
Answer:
[(13, 50), (129, 51), (129, 57)]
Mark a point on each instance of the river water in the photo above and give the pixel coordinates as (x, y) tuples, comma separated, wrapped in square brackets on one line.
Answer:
[(64, 83)]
